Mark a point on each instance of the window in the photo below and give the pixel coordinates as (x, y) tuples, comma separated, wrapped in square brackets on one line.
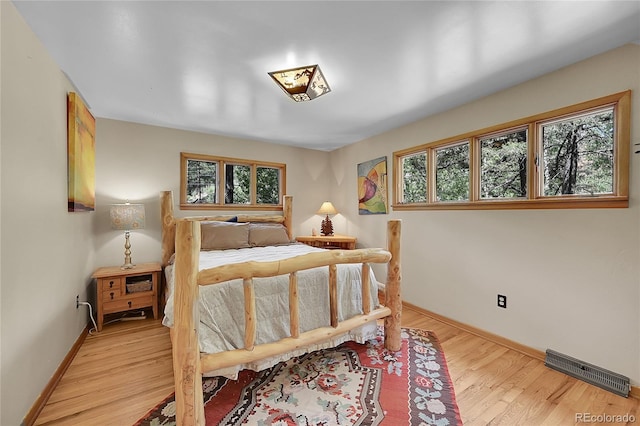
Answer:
[(413, 170), (578, 154), (201, 181), (503, 165), (241, 183), (237, 185), (452, 173), (574, 157), (268, 185)]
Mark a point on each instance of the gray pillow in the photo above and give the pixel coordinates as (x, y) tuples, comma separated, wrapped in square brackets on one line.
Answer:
[(224, 235), (261, 234)]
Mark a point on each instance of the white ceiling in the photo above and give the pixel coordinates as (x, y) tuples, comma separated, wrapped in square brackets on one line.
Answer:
[(203, 65)]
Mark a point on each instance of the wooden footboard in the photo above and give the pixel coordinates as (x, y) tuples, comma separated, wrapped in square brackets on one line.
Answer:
[(189, 364)]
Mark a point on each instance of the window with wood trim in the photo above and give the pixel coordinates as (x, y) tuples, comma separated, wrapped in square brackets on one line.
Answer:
[(573, 157), (413, 177), (503, 165), (211, 182), (452, 172), (577, 153)]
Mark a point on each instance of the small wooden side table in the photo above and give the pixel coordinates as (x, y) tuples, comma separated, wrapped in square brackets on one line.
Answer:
[(120, 290), (335, 241)]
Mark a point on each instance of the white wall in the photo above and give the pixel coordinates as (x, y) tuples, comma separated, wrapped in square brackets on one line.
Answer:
[(47, 253), (572, 277), (136, 162)]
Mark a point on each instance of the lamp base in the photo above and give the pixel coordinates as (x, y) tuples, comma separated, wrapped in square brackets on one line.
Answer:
[(326, 228), (127, 253)]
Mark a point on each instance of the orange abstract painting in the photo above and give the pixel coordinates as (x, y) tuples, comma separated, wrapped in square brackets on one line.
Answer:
[(81, 130)]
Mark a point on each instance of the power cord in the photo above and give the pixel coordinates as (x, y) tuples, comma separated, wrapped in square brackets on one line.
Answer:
[(95, 327), (124, 317)]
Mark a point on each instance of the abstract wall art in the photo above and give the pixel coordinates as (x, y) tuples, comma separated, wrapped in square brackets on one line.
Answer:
[(81, 130), (372, 186)]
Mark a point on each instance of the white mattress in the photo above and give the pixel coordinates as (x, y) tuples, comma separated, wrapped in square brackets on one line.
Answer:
[(221, 306)]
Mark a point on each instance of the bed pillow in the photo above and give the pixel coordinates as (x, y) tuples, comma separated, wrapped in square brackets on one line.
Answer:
[(262, 234), (224, 235)]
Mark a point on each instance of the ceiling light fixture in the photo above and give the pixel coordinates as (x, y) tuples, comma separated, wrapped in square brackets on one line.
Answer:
[(302, 83)]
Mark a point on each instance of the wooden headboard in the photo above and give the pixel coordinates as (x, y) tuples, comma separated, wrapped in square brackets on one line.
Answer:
[(169, 221)]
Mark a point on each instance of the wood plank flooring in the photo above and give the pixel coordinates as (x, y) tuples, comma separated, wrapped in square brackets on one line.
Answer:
[(117, 376), (124, 371)]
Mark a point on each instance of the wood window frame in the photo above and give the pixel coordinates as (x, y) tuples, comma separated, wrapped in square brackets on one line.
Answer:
[(220, 183), (621, 103)]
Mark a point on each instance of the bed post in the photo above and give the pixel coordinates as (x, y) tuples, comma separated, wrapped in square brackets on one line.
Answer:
[(186, 350), (393, 291), (287, 212), (168, 226)]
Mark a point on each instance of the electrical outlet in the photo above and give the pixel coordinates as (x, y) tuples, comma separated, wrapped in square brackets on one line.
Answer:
[(502, 301), (77, 301)]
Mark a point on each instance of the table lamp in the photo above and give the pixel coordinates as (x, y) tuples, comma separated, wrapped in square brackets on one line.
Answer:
[(326, 209), (127, 217)]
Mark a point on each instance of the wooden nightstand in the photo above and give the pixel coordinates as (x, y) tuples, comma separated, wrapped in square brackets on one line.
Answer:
[(335, 241), (120, 290)]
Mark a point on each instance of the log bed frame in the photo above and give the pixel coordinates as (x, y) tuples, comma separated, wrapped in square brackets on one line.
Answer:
[(182, 236)]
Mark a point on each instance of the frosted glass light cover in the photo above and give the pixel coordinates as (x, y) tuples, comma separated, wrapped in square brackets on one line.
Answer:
[(302, 83)]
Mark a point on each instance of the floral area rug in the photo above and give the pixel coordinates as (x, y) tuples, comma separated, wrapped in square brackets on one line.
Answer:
[(352, 384)]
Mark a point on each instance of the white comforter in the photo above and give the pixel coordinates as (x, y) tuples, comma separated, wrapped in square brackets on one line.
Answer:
[(221, 306)]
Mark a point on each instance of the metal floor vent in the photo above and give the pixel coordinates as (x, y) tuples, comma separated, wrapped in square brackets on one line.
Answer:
[(589, 373)]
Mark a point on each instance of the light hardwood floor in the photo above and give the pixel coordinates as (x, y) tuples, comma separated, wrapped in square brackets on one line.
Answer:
[(124, 371)]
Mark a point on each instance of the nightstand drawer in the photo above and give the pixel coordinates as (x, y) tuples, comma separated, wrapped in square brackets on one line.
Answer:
[(127, 303), (110, 295), (111, 284)]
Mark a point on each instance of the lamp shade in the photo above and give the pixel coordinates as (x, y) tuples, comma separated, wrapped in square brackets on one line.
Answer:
[(302, 83), (327, 208), (127, 216)]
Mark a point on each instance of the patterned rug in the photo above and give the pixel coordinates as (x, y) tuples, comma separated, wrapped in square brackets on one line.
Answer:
[(351, 384)]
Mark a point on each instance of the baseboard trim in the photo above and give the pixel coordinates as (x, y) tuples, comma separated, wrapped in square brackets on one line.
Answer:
[(523, 349), (38, 405), (526, 350)]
